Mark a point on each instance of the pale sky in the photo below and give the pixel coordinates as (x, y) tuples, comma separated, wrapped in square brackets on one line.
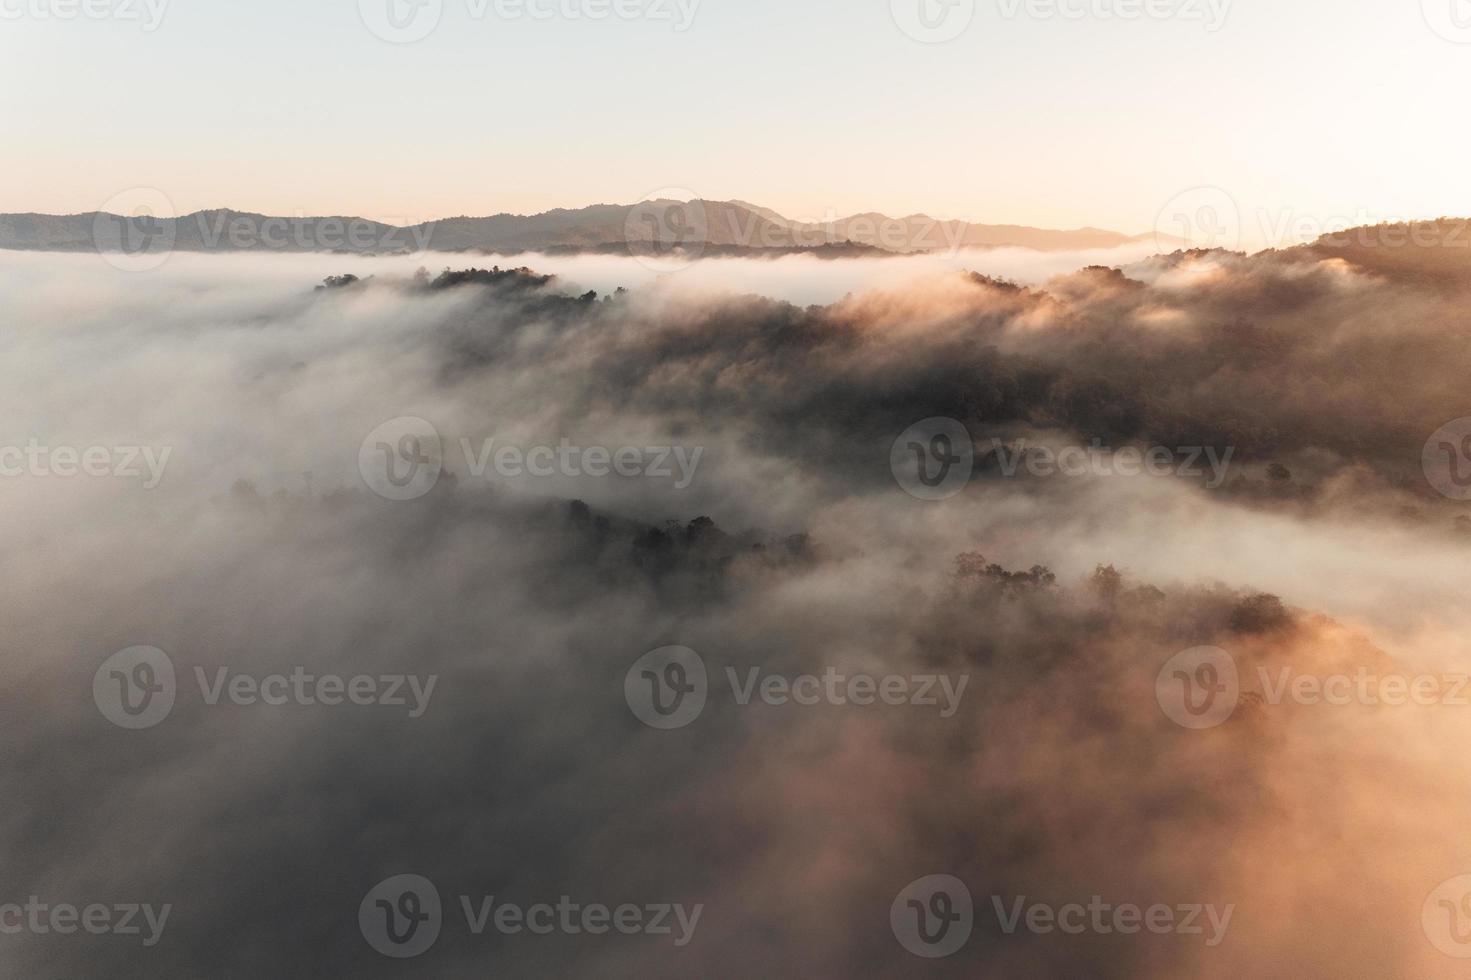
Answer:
[(1299, 110)]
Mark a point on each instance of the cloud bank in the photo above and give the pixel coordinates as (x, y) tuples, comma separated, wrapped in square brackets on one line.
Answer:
[(792, 550)]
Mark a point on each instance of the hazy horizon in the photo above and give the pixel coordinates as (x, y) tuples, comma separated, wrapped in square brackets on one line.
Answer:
[(1223, 223), (1068, 116), (830, 215)]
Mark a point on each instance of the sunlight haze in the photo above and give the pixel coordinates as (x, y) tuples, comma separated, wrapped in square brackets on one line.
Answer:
[(814, 108)]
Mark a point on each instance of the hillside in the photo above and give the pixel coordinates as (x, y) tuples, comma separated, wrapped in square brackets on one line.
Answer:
[(731, 227)]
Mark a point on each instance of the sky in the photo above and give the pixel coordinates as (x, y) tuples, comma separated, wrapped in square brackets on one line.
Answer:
[(1285, 117)]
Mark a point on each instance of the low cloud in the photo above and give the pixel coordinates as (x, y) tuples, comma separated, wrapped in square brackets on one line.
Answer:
[(792, 549)]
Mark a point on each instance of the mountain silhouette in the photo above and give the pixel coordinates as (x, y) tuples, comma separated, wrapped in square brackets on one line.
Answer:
[(720, 227)]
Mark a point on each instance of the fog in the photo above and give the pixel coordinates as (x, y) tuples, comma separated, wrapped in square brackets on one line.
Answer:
[(258, 537), (799, 279)]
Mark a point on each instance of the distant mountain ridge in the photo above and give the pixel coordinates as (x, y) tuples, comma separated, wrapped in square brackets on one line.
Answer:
[(724, 227)]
